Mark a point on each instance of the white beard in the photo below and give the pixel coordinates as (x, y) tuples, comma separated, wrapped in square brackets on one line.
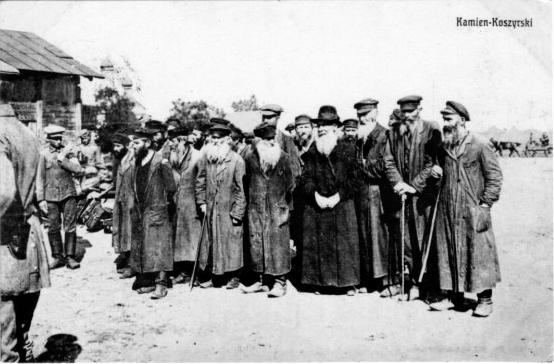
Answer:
[(364, 130), (216, 153), (326, 143), (269, 154)]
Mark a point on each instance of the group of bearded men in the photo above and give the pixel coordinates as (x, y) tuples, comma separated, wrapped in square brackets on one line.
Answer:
[(319, 204)]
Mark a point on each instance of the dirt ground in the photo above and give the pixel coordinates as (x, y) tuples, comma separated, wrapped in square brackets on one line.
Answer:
[(91, 315)]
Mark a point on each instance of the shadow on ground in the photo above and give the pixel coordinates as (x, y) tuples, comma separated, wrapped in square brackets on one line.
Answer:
[(60, 348)]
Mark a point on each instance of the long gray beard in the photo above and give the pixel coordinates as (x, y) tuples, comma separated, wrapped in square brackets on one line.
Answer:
[(326, 143), (364, 130), (177, 154), (269, 154), (216, 153), (451, 137)]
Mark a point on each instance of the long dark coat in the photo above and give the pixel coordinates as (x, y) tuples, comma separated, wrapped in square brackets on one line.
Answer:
[(220, 187), (411, 162), (151, 244), (468, 261), (268, 214), (373, 205), (124, 201), (188, 224), (330, 252)]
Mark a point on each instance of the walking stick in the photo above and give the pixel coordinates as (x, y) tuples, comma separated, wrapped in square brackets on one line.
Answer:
[(198, 251), (402, 232), (429, 239)]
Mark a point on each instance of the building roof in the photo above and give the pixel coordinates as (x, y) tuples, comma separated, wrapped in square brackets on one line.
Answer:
[(25, 51)]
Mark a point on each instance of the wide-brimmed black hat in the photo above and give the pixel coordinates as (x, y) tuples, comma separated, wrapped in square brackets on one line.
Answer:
[(179, 131), (156, 125), (144, 133), (327, 115)]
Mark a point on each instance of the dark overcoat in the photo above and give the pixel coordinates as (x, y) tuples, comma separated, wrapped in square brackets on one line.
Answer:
[(269, 195), (373, 204), (188, 223), (410, 161), (330, 252), (467, 256), (124, 201), (220, 187), (151, 244)]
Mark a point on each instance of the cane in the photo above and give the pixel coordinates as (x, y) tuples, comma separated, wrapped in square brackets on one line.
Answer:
[(429, 239), (402, 232), (198, 251)]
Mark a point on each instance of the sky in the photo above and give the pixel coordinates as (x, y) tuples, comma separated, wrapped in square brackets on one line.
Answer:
[(304, 54)]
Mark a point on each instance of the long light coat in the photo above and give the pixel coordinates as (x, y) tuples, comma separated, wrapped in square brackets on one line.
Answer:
[(269, 195), (124, 203), (467, 256), (220, 187)]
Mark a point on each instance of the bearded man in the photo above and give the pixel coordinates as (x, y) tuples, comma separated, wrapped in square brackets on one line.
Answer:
[(184, 160), (151, 245), (471, 184), (372, 208), (160, 141), (350, 129), (123, 202), (220, 197), (270, 183), (412, 169), (330, 252)]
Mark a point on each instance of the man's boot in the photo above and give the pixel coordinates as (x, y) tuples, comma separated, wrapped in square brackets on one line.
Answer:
[(58, 260), (161, 286), (279, 288), (70, 247), (484, 304)]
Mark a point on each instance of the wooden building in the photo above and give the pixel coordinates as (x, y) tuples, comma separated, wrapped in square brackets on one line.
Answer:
[(43, 81)]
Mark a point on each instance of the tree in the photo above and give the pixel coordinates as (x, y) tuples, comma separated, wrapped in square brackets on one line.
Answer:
[(118, 109), (194, 112), (250, 104)]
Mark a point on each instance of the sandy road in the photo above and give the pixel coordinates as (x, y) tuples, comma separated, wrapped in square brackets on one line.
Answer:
[(110, 322)]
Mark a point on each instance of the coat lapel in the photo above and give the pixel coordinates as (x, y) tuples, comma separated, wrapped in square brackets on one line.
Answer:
[(153, 164), (419, 130)]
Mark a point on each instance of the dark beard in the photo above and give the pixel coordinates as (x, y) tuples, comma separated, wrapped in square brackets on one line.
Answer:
[(159, 144), (120, 154), (141, 154)]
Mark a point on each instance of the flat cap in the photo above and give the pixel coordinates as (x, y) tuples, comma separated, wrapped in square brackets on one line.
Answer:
[(395, 117), (120, 139), (84, 132), (220, 130), (179, 131), (409, 103), (365, 105), (350, 123), (327, 115), (156, 125), (289, 127), (453, 107), (271, 109), (143, 132), (302, 120), (52, 130), (265, 131), (220, 121)]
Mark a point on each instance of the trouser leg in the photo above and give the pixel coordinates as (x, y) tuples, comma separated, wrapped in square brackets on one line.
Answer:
[(70, 215), (8, 350), (24, 311), (54, 230), (485, 295)]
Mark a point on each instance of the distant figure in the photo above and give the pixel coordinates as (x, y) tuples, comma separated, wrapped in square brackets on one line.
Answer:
[(545, 140)]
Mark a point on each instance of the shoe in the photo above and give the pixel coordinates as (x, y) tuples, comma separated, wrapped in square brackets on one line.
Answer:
[(207, 284), (413, 293), (181, 278), (390, 291), (126, 273), (362, 290), (72, 263), (233, 283), (160, 292), (254, 288), (279, 289), (351, 292), (442, 305), (143, 290), (57, 262), (483, 308)]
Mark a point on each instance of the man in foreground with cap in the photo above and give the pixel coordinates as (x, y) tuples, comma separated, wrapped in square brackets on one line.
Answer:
[(56, 195), (330, 251), (23, 258), (472, 179), (412, 169), (270, 182), (184, 160), (151, 244), (124, 159), (220, 197), (374, 202), (271, 114)]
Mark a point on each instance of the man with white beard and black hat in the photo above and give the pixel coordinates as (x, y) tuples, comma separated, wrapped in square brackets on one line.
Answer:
[(270, 183), (331, 177), (220, 197), (372, 206), (471, 184)]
